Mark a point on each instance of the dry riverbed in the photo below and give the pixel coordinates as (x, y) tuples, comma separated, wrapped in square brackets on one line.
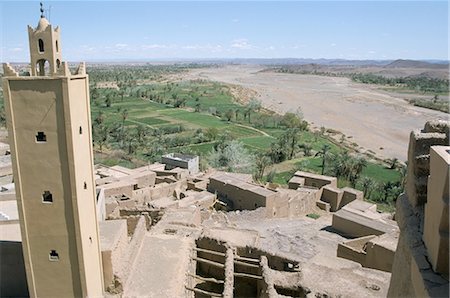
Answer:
[(376, 120)]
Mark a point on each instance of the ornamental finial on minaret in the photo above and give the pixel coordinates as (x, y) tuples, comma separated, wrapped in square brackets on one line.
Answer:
[(42, 10)]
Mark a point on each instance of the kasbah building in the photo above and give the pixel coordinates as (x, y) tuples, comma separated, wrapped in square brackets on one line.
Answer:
[(70, 228)]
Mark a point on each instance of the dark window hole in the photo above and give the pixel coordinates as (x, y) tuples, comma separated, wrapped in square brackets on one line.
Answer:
[(47, 197), (41, 137), (53, 256)]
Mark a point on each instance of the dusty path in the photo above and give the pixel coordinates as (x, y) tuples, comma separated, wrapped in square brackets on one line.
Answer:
[(375, 120)]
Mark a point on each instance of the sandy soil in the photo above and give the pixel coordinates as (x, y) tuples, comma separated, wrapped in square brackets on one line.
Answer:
[(375, 120)]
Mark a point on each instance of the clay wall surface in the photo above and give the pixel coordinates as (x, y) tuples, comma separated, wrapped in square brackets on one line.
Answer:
[(371, 251), (333, 196), (278, 206), (418, 163), (122, 187), (143, 179), (242, 195), (202, 199), (380, 256), (163, 190), (134, 245), (141, 195), (315, 180), (114, 244), (422, 216), (357, 225), (354, 249), (296, 182), (349, 195), (302, 201), (436, 226)]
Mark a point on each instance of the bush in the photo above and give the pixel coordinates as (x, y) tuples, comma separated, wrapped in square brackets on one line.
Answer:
[(313, 215)]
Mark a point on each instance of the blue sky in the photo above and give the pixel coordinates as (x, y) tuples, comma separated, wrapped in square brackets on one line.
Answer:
[(148, 30)]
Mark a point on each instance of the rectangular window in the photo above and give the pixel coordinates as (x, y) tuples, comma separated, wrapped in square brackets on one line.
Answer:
[(41, 137), (47, 197), (53, 255)]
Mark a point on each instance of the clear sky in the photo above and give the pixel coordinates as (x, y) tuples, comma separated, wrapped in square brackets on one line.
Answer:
[(146, 30)]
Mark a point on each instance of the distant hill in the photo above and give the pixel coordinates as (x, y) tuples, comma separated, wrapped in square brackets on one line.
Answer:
[(415, 64)]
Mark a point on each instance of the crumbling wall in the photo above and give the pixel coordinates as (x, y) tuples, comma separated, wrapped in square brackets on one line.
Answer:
[(278, 206), (143, 179), (119, 188), (369, 251), (133, 246), (113, 252), (354, 249), (412, 273), (163, 190), (239, 194), (315, 180)]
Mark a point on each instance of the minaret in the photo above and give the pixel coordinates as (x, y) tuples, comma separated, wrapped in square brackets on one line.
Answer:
[(49, 126)]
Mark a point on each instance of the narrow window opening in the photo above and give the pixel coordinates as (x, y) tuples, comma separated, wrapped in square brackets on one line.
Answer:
[(41, 137), (57, 47), (47, 197), (41, 45), (85, 185), (58, 63), (81, 130), (53, 255), (43, 67)]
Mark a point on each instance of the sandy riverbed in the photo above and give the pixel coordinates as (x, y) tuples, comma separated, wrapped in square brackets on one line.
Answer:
[(375, 120)]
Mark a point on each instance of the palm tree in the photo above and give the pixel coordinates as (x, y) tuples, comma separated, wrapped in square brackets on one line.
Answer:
[(261, 163), (386, 189), (323, 153), (124, 117), (101, 136), (368, 185), (357, 165)]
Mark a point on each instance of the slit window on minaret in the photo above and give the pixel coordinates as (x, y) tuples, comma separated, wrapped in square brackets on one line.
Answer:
[(53, 255), (81, 130), (57, 48), (41, 137), (47, 197), (41, 45)]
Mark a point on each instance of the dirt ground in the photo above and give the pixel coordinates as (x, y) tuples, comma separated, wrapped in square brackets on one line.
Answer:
[(376, 120)]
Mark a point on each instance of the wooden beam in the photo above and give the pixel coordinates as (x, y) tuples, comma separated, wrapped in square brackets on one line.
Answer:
[(246, 275), (247, 259), (246, 264), (210, 279), (213, 252), (212, 294), (209, 262)]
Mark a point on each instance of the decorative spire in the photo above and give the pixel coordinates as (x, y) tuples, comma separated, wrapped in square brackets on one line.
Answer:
[(42, 10)]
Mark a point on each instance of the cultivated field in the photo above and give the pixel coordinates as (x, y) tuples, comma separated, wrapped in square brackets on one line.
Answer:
[(376, 120)]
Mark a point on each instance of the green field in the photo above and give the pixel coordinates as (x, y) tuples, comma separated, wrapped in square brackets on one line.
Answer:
[(191, 117)]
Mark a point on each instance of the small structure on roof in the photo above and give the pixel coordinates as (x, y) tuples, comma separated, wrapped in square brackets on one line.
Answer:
[(184, 161)]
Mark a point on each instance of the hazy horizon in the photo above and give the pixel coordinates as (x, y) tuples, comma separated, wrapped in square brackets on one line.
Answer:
[(211, 30)]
